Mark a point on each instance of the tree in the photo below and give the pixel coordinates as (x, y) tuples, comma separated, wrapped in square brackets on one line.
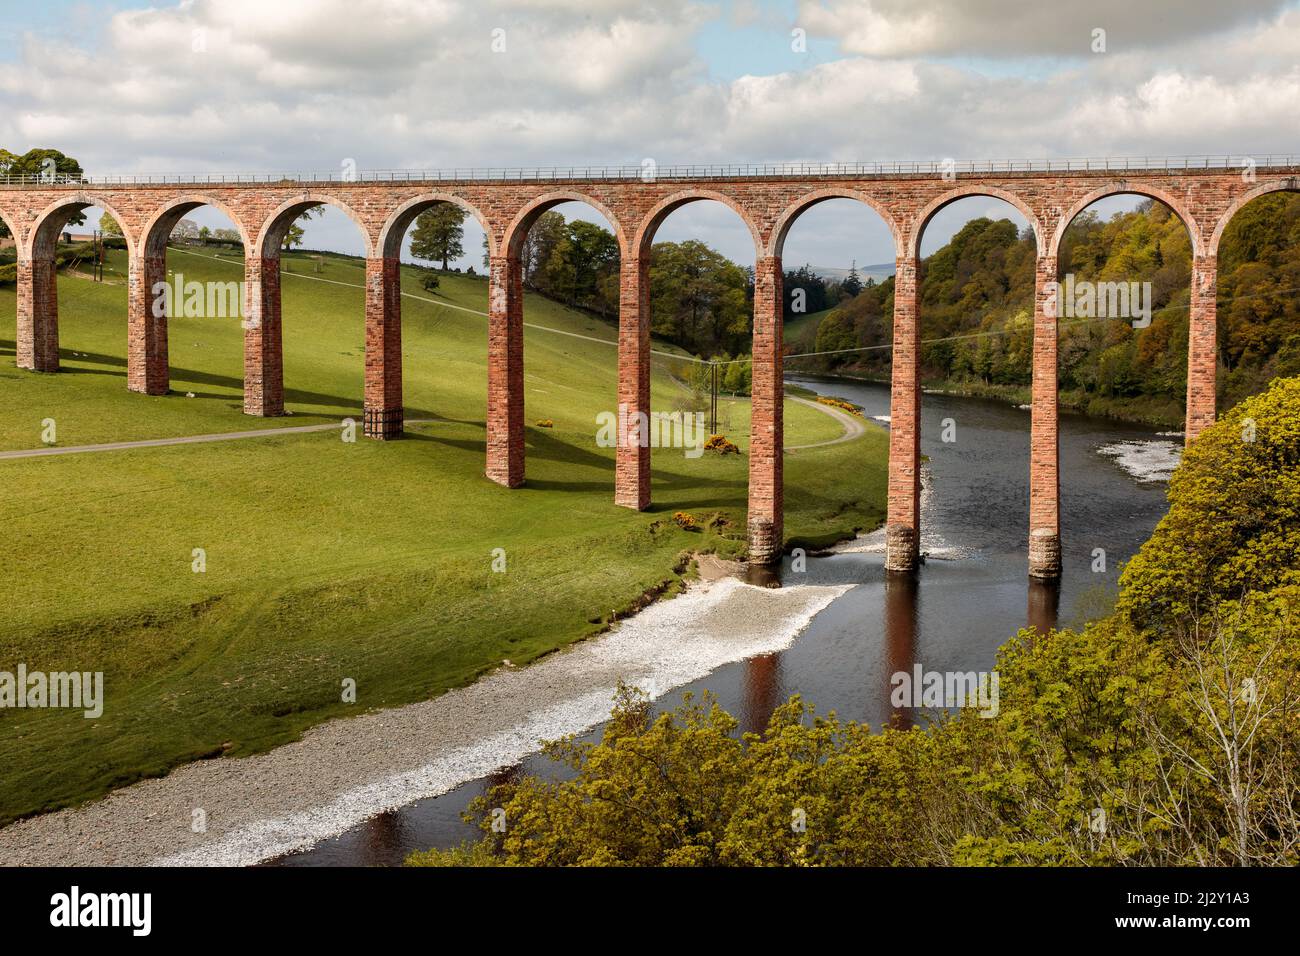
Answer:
[(699, 299), (41, 162), (582, 261), (438, 234), (835, 333), (540, 242), (738, 376), (186, 230), (852, 285), (1232, 520), (805, 289), (109, 226), (293, 235)]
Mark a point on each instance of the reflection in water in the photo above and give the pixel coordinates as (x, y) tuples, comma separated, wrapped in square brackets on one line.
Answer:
[(901, 592), (763, 576), (1044, 605), (499, 778), (383, 837), (762, 692)]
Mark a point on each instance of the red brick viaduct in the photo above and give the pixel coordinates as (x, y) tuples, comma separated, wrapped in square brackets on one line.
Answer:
[(768, 200)]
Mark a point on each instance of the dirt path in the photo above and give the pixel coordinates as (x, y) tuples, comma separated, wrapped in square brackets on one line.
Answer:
[(853, 427), (157, 442), (186, 439)]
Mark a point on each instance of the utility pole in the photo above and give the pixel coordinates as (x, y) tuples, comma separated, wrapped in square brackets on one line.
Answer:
[(713, 397), (97, 271)]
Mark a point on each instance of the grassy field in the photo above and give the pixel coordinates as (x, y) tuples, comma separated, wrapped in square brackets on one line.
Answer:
[(801, 331), (327, 560)]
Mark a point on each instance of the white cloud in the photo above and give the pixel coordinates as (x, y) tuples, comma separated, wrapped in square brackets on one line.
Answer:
[(1019, 27), (397, 84)]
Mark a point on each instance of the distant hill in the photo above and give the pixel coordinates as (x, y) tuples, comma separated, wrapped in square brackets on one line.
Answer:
[(880, 272)]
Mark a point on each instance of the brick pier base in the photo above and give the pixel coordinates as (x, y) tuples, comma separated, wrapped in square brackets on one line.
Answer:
[(902, 550), (1044, 554)]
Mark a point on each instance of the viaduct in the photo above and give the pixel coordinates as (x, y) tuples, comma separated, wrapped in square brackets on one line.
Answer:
[(1204, 192)]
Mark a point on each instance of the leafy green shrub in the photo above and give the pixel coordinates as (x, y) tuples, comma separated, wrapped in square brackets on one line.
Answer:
[(1233, 524)]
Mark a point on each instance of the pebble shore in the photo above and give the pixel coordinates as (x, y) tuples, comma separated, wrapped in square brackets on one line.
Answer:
[(346, 771)]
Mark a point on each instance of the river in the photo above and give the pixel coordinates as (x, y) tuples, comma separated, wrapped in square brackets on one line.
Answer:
[(971, 595)]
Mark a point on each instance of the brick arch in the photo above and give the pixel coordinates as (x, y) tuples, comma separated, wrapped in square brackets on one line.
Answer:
[(1122, 189), (962, 192), (801, 205), (517, 231), (645, 233), (1263, 189), (9, 221), (277, 223), (44, 233), (394, 229), (159, 226)]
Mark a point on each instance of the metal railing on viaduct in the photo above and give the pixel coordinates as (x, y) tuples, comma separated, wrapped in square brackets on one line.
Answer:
[(1205, 192)]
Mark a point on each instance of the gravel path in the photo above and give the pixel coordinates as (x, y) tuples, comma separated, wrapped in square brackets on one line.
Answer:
[(187, 439), (853, 427), (345, 771), (157, 442)]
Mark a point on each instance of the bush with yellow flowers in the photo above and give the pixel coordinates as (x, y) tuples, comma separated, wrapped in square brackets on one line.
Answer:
[(841, 405)]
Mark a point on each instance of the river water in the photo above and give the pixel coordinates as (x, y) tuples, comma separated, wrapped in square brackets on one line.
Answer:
[(972, 594)]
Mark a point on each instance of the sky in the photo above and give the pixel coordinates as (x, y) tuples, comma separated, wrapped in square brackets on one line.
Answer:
[(250, 85)]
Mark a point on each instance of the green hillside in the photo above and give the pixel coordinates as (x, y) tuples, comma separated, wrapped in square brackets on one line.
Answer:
[(327, 560), (801, 331), (977, 304)]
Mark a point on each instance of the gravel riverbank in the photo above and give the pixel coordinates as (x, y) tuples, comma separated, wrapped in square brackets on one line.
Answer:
[(345, 771)]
